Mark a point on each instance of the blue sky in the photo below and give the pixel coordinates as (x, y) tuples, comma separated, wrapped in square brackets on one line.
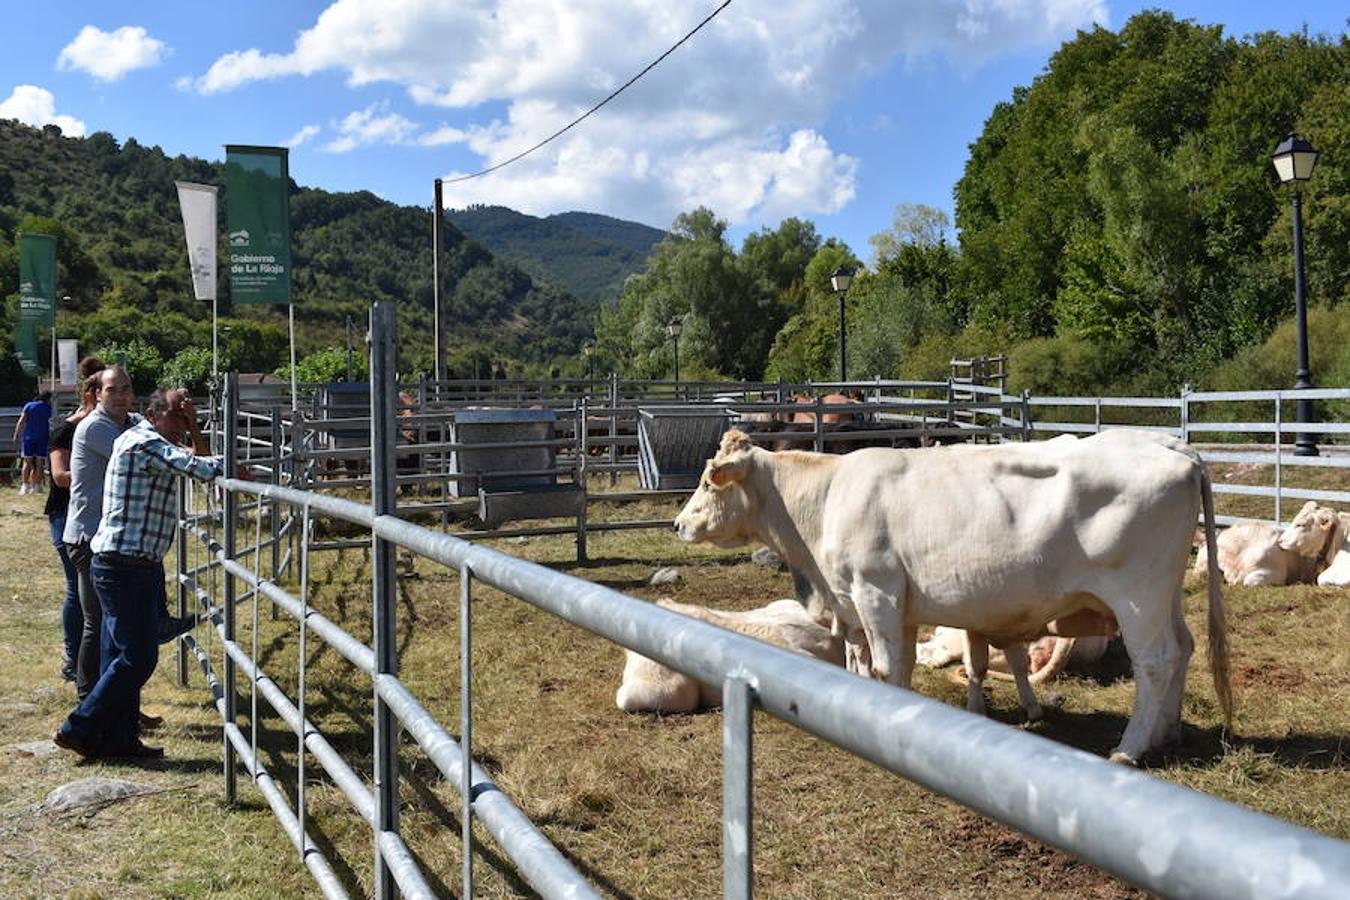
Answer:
[(831, 110)]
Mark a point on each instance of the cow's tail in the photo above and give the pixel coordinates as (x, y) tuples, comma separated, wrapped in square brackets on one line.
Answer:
[(1053, 668), (1218, 623)]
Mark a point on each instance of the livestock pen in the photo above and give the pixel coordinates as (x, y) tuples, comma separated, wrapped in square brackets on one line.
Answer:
[(1158, 835)]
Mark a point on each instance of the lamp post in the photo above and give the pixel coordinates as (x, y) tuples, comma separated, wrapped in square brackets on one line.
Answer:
[(674, 329), (840, 281), (1294, 159)]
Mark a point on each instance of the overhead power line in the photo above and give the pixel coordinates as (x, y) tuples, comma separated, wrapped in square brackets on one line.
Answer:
[(579, 119)]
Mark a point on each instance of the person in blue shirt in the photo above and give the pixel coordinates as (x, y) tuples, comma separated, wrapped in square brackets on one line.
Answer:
[(34, 425)]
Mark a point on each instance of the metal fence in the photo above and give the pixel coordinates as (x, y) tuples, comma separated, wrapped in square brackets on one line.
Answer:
[(1227, 427), (1160, 836)]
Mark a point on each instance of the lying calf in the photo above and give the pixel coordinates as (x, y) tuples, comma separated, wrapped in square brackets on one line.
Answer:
[(1253, 553), (1324, 534), (651, 687)]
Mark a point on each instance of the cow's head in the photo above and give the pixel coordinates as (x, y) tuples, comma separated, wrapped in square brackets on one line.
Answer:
[(1308, 534), (720, 512)]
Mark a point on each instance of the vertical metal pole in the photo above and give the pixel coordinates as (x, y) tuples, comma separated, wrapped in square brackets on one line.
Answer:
[(737, 789), (304, 665), (613, 428), (181, 564), (230, 421), (383, 402), (819, 437), (437, 242), (1026, 414), (466, 726), (274, 510), (1279, 462), (1097, 415), (1304, 443), (582, 450), (1186, 413), (843, 349)]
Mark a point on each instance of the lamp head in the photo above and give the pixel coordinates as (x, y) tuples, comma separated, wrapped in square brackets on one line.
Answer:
[(1294, 159)]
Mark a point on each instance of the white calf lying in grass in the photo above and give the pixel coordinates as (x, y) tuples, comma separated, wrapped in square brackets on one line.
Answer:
[(1255, 553), (1323, 533), (651, 687)]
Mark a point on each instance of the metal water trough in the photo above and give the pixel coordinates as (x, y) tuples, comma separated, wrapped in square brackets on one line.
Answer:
[(505, 493), (675, 441)]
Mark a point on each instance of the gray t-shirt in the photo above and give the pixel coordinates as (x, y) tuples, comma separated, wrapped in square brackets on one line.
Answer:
[(89, 454)]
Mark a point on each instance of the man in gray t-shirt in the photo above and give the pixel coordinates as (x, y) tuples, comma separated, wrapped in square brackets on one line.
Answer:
[(89, 454)]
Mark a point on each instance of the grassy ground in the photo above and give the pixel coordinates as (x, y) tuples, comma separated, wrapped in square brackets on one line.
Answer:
[(633, 801)]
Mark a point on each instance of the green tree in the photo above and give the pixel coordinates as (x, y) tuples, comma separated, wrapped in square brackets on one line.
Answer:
[(328, 366)]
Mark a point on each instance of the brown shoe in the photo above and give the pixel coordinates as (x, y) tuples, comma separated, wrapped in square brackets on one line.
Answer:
[(70, 742), (148, 722)]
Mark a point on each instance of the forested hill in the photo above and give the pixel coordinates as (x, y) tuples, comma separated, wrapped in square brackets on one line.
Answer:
[(123, 265), (587, 254)]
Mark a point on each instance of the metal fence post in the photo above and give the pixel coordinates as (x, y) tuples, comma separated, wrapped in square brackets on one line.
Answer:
[(737, 788), (1026, 414), (274, 511), (466, 726), (582, 450), (230, 514), (181, 564), (383, 428), (819, 437), (613, 428)]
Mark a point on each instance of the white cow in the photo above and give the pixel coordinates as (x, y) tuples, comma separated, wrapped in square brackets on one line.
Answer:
[(1323, 533), (649, 686), (998, 540), (1250, 553)]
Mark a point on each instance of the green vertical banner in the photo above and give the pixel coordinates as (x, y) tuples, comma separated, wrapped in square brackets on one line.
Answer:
[(258, 220), (37, 297), (37, 280), (26, 348)]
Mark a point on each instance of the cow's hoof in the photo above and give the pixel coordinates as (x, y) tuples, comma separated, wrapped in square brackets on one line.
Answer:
[(1124, 759)]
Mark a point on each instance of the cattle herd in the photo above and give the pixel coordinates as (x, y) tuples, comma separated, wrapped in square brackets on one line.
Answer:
[(1042, 551)]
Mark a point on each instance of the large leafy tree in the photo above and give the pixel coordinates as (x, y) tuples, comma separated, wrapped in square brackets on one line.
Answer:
[(1126, 199)]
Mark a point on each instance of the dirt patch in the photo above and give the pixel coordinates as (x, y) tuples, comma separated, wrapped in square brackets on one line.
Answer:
[(1043, 868), (1267, 675)]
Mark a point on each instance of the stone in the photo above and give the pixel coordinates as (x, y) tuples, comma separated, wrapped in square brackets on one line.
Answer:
[(36, 749), (668, 575), (767, 558), (91, 791)]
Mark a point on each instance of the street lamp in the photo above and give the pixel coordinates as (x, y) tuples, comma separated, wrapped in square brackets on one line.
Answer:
[(840, 281), (1294, 159), (674, 329)]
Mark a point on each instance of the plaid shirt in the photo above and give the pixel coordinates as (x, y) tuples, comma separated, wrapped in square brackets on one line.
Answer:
[(139, 501)]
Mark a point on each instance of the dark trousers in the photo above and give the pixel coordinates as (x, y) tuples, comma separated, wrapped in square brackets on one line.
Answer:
[(89, 659), (72, 616), (132, 595)]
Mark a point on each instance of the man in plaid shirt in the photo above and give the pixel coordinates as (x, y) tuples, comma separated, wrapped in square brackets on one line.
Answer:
[(139, 516)]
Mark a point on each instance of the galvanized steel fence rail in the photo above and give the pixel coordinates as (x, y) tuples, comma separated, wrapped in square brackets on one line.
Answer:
[(1160, 836)]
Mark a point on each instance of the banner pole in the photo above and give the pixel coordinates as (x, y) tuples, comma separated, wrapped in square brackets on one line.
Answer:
[(290, 308), (51, 384), (215, 345)]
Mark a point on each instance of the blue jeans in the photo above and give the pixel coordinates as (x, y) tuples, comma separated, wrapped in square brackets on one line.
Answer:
[(132, 596), (72, 617)]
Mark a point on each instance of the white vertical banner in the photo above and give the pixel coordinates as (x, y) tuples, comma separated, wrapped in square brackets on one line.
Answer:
[(198, 202), (68, 351)]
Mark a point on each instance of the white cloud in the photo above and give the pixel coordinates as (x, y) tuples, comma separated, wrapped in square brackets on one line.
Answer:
[(731, 119), (301, 136), (108, 55), (36, 106), (372, 125)]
